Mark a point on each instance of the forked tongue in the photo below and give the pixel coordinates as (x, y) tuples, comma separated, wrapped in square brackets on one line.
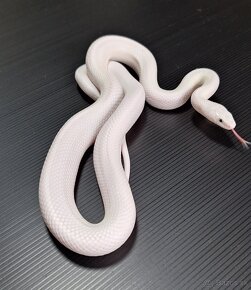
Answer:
[(244, 142)]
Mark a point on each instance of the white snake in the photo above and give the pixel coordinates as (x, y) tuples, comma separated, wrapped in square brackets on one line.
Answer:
[(119, 102)]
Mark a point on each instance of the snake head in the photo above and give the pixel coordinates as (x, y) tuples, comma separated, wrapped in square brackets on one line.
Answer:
[(219, 115), (223, 118)]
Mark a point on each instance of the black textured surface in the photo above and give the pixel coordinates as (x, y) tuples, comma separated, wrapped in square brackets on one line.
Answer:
[(190, 180)]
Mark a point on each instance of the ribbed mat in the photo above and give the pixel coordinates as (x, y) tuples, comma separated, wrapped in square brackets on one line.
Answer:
[(190, 180)]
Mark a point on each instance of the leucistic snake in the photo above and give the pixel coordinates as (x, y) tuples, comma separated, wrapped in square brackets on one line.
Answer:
[(119, 101)]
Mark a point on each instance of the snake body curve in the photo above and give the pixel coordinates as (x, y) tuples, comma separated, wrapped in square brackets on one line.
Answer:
[(119, 101)]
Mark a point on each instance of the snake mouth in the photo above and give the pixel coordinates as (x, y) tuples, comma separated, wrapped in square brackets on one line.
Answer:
[(244, 142)]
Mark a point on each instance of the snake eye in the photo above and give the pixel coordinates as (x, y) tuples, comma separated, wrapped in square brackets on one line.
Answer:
[(221, 120)]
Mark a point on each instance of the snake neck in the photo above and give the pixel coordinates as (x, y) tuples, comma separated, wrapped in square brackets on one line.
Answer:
[(198, 104)]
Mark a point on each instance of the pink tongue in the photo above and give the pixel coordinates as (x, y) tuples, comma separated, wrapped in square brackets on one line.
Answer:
[(243, 141)]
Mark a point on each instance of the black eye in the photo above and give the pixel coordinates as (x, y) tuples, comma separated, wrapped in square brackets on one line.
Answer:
[(221, 120)]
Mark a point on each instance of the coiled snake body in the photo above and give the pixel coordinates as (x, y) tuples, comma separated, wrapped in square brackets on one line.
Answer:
[(119, 101)]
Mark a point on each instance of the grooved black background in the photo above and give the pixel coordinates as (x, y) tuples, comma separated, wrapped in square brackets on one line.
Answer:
[(190, 180)]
